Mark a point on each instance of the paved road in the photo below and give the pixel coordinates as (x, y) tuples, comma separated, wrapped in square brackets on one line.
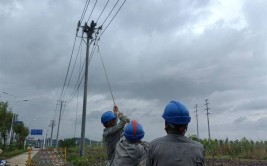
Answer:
[(21, 159)]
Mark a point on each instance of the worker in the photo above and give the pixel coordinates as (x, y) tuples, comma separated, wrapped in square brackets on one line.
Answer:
[(113, 130), (131, 151), (175, 149)]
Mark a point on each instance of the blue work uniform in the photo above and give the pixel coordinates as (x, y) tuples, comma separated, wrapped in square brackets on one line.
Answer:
[(175, 150)]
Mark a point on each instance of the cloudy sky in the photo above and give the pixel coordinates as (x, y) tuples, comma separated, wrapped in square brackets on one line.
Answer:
[(154, 51)]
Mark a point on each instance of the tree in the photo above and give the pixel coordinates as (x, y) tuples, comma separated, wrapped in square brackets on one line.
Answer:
[(67, 143), (5, 121), (21, 133), (194, 137)]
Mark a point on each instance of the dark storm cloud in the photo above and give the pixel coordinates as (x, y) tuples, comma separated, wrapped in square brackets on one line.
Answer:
[(184, 71), (254, 104), (238, 131), (159, 16), (255, 14), (35, 41)]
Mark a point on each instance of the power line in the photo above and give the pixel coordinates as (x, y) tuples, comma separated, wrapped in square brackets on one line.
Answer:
[(79, 81), (76, 88), (102, 11), (54, 116), (111, 12), (79, 23), (92, 53), (73, 67), (84, 10), (77, 105), (63, 110), (67, 77), (92, 11), (112, 18), (68, 69)]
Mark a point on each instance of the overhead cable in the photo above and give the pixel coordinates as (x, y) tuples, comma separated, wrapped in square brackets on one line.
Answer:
[(102, 11), (110, 12), (112, 18), (77, 106), (73, 67), (54, 116), (68, 69), (84, 10), (92, 11)]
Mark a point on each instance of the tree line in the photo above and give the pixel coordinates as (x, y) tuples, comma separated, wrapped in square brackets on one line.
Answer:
[(19, 129), (243, 148)]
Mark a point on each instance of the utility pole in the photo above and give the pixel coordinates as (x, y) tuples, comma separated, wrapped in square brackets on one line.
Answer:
[(207, 109), (52, 125), (45, 136), (89, 30), (59, 118), (197, 120)]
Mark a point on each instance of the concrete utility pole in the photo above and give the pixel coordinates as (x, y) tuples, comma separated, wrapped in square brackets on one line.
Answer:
[(45, 141), (197, 120), (59, 118), (89, 30), (52, 125), (207, 109)]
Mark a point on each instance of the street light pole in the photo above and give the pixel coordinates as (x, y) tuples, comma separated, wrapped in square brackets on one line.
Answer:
[(13, 114)]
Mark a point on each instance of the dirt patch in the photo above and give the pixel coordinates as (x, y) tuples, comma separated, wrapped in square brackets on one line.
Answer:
[(234, 162)]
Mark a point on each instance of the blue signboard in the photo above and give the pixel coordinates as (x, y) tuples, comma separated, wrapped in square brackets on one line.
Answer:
[(36, 132)]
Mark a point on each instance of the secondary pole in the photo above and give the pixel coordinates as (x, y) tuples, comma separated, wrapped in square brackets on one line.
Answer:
[(11, 129), (207, 108), (197, 121), (52, 124), (59, 118)]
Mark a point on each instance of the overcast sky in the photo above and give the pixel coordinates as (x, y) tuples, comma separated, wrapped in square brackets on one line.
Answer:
[(154, 51)]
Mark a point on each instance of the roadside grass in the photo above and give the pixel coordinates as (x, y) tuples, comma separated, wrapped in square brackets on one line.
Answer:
[(9, 154), (94, 156)]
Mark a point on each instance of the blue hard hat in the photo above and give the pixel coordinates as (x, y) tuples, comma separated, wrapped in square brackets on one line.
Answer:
[(176, 113), (134, 131), (108, 116)]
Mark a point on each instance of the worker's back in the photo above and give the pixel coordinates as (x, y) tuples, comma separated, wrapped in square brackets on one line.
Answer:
[(129, 154), (175, 150)]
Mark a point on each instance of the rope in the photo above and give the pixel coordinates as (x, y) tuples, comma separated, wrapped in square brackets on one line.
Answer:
[(106, 74)]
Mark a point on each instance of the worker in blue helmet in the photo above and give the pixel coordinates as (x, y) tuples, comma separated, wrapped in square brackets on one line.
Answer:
[(113, 130), (131, 151), (175, 149)]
